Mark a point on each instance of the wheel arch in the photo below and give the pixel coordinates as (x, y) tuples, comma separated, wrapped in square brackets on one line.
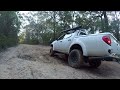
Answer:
[(51, 45), (79, 46)]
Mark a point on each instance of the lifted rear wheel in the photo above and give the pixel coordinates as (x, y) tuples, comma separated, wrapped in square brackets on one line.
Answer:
[(94, 63)]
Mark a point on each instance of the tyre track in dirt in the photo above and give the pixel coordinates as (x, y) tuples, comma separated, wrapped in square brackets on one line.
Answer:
[(34, 62)]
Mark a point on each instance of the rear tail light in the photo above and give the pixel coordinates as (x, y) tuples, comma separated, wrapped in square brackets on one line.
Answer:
[(107, 40)]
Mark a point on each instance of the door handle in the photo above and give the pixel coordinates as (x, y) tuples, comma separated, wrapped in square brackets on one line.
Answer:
[(60, 41)]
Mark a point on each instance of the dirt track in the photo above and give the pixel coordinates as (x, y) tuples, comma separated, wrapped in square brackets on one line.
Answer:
[(34, 62)]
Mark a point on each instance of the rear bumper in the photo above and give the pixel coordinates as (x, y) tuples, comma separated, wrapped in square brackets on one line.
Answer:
[(109, 58), (112, 57)]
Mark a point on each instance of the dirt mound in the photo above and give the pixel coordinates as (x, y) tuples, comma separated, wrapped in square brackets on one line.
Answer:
[(34, 62)]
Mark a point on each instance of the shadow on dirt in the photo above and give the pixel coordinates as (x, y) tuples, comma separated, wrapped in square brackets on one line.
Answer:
[(61, 58), (26, 57), (102, 71)]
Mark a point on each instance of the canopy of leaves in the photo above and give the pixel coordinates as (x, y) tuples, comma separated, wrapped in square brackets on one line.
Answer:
[(45, 26), (9, 28)]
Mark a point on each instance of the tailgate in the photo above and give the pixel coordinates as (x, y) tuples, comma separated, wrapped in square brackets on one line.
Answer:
[(115, 45)]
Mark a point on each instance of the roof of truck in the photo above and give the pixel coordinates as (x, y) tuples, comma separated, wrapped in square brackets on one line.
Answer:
[(105, 33)]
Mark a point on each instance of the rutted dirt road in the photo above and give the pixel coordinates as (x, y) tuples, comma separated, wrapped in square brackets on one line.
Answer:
[(34, 62)]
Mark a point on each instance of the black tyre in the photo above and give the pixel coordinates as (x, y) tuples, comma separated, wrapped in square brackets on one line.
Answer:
[(75, 58), (52, 52), (94, 63), (66, 57)]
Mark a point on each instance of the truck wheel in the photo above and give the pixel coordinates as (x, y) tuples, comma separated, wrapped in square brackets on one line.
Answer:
[(94, 63), (66, 57), (75, 58), (52, 52)]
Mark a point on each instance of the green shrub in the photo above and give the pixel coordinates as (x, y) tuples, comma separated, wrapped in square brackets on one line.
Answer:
[(3, 42), (6, 41)]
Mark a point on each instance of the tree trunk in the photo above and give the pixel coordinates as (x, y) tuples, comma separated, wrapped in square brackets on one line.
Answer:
[(117, 29), (102, 23), (73, 18), (54, 13), (106, 21)]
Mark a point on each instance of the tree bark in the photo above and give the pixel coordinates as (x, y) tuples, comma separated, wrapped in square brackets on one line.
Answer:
[(117, 27), (54, 17), (106, 21)]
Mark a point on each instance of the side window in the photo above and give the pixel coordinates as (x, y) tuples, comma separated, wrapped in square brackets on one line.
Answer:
[(113, 40), (67, 36), (81, 33), (61, 37), (78, 33)]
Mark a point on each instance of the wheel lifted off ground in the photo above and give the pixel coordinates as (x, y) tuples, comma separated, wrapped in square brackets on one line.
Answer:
[(95, 63)]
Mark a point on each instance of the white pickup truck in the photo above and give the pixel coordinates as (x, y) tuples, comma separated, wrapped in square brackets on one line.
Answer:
[(81, 47)]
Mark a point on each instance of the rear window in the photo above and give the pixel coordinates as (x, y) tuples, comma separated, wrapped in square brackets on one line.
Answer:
[(113, 39)]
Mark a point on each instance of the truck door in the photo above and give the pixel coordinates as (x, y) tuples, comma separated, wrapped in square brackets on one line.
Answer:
[(66, 42), (58, 45)]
